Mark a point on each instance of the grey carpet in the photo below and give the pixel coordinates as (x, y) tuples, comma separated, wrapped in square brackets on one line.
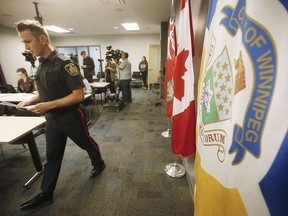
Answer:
[(134, 182)]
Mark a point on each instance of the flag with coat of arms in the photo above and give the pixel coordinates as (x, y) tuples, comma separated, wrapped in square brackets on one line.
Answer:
[(183, 112), (241, 165)]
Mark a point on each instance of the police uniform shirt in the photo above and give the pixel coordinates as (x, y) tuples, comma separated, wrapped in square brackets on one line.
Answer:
[(56, 77)]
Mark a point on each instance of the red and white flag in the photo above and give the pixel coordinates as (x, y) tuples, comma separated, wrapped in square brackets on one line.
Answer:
[(170, 62), (183, 115)]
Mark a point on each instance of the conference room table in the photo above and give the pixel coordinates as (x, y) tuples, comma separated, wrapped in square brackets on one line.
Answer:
[(19, 129), (16, 97)]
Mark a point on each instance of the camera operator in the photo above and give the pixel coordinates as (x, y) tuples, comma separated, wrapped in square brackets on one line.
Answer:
[(125, 77), (88, 66), (110, 70)]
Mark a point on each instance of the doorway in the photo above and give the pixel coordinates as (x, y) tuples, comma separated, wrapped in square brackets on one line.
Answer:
[(154, 61)]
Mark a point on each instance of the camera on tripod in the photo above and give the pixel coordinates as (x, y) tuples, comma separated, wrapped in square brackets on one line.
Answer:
[(74, 57), (30, 58), (115, 54)]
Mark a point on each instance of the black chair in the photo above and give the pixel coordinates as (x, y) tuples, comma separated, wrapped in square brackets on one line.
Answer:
[(136, 75), (136, 79)]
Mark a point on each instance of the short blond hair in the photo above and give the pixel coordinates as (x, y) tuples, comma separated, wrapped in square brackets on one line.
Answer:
[(34, 26)]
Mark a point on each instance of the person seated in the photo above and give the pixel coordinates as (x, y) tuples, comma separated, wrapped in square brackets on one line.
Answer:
[(25, 84)]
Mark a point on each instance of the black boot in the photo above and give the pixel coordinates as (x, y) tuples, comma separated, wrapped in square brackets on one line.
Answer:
[(42, 198), (97, 169)]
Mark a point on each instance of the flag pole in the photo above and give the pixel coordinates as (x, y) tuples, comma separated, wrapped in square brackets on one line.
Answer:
[(167, 133), (174, 170)]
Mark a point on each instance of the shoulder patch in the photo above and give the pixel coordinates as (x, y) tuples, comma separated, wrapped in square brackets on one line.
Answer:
[(71, 69)]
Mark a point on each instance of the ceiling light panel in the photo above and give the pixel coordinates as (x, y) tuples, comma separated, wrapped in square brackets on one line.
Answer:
[(131, 26), (56, 29)]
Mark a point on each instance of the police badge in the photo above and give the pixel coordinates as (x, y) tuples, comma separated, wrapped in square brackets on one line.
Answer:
[(71, 69)]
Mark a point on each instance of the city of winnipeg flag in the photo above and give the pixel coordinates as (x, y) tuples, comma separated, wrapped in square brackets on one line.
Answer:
[(183, 114), (241, 165)]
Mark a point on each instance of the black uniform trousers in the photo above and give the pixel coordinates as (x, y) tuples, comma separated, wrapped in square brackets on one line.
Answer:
[(70, 124)]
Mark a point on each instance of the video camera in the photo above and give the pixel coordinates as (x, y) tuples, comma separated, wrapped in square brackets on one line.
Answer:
[(115, 54), (74, 58), (30, 58)]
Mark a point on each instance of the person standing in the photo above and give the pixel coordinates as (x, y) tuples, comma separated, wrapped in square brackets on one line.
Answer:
[(25, 84), (143, 68), (110, 71), (88, 66), (60, 91), (125, 77)]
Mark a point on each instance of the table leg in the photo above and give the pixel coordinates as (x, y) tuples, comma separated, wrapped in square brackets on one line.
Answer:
[(35, 158)]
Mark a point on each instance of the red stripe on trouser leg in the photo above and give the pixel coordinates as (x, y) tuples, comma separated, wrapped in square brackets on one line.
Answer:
[(93, 143)]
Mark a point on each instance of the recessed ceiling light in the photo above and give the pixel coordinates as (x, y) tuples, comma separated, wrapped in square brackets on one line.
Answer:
[(70, 29), (131, 26), (116, 27), (56, 29)]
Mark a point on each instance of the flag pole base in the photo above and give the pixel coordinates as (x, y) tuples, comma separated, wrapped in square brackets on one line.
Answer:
[(166, 133), (175, 170)]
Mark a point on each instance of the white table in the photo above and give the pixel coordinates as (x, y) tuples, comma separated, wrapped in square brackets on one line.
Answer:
[(100, 87), (99, 84), (19, 128), (16, 97)]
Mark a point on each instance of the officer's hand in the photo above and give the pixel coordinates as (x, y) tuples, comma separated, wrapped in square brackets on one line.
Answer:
[(22, 104), (39, 109)]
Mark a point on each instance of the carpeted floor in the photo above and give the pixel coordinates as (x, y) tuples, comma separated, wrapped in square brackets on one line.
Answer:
[(134, 182)]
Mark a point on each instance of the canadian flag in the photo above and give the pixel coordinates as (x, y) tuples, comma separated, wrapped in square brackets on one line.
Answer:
[(183, 114), (170, 62)]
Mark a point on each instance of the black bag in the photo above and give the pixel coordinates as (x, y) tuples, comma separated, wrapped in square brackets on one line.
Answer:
[(7, 89)]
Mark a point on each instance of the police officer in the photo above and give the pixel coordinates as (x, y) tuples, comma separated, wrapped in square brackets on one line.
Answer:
[(60, 90)]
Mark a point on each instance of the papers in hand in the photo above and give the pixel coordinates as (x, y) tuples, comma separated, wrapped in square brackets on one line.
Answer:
[(5, 103)]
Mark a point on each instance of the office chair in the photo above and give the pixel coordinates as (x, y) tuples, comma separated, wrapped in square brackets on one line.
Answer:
[(136, 79)]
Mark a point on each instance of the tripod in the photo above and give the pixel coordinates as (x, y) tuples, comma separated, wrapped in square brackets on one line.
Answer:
[(100, 73), (33, 70)]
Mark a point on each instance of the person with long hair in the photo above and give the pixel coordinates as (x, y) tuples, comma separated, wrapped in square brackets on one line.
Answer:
[(25, 84), (143, 68)]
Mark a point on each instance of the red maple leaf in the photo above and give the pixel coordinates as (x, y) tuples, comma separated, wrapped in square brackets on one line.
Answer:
[(180, 69)]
